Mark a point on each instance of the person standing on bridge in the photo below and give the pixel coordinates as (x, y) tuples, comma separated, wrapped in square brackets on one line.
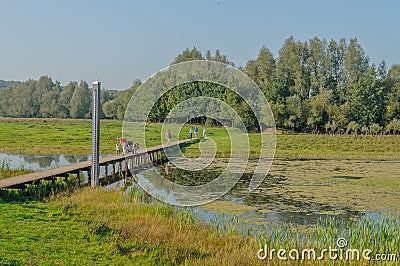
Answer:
[(123, 142), (168, 136), (117, 149)]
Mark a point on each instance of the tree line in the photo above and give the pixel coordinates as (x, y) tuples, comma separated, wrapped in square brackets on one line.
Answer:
[(44, 98), (328, 86), (312, 86)]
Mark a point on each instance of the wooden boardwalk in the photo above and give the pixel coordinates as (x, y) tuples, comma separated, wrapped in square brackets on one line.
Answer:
[(140, 158)]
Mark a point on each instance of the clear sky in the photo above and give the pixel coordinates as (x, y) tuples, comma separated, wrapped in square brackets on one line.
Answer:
[(120, 41)]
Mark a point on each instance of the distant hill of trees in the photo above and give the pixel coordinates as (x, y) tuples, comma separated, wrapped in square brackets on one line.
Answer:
[(312, 86), (11, 83)]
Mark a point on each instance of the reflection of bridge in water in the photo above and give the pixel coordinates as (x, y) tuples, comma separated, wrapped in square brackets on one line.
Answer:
[(122, 166)]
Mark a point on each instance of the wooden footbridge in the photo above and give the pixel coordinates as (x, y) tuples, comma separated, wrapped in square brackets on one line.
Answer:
[(121, 167)]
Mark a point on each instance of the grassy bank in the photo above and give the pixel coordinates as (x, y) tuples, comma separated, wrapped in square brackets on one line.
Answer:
[(58, 136), (95, 227)]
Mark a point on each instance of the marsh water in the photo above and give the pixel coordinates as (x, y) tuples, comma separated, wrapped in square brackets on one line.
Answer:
[(302, 191), (37, 162), (295, 191)]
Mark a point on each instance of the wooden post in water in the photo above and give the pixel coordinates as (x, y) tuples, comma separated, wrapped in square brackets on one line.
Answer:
[(78, 178), (113, 171), (95, 134), (106, 173)]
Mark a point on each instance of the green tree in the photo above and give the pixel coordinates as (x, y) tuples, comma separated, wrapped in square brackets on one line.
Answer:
[(188, 55), (291, 69), (115, 107), (393, 127), (20, 100), (367, 99), (393, 98), (65, 99), (262, 69), (317, 107), (356, 63), (335, 78), (294, 108), (317, 65), (50, 105), (81, 101), (352, 128)]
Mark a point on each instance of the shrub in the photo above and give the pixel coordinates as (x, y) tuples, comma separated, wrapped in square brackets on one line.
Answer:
[(393, 127), (364, 129), (352, 128), (374, 128)]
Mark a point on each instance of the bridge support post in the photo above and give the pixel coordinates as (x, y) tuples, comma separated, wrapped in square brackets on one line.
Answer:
[(78, 178), (106, 173), (120, 169), (113, 171)]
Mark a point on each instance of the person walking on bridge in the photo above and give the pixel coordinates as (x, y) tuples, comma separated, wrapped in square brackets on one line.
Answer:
[(117, 149), (168, 136), (123, 142)]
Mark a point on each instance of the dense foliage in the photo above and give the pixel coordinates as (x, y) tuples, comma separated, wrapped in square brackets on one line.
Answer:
[(47, 99), (312, 86), (322, 86)]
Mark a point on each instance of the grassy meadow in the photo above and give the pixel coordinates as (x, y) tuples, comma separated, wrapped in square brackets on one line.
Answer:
[(69, 136)]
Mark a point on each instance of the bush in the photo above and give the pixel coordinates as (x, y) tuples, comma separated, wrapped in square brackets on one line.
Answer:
[(393, 127), (374, 128), (364, 129), (352, 128)]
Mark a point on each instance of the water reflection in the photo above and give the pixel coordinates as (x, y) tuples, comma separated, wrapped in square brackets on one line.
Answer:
[(37, 162)]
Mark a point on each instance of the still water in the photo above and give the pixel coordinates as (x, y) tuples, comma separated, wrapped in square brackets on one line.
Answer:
[(37, 162)]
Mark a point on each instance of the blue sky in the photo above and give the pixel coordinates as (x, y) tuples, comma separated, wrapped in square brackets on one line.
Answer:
[(120, 41)]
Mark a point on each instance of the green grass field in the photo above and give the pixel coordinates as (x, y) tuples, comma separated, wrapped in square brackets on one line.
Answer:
[(57, 136)]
